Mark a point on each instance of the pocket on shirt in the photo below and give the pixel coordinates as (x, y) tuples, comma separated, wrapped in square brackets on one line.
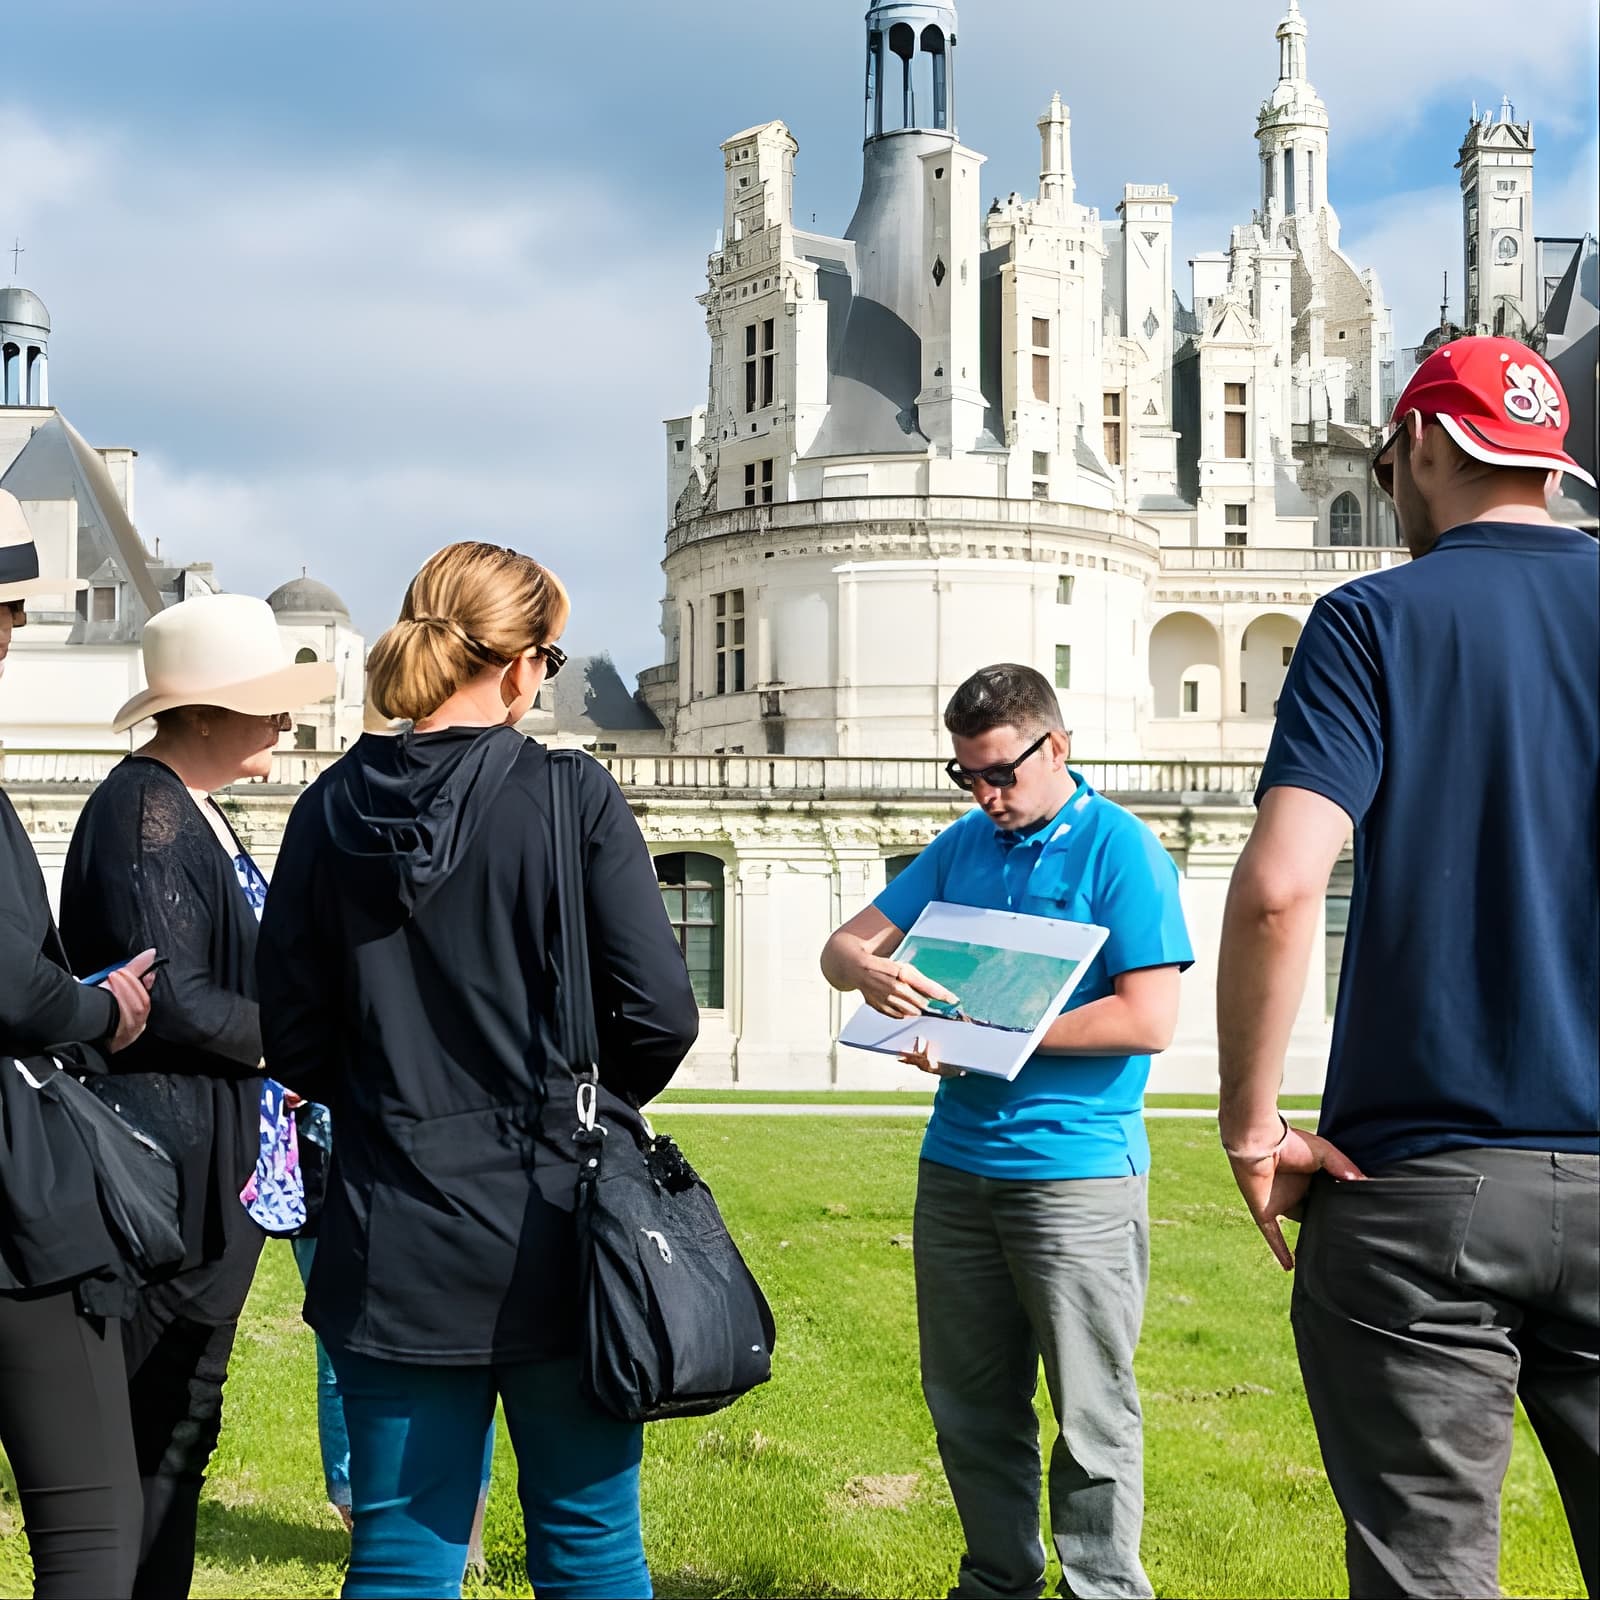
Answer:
[(1387, 1251)]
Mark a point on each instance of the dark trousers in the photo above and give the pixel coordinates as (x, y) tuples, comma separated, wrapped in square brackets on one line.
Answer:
[(1429, 1299), (1010, 1272), (64, 1426), (177, 1363)]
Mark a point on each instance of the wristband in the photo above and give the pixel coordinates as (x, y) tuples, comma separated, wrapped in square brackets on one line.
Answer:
[(1265, 1155)]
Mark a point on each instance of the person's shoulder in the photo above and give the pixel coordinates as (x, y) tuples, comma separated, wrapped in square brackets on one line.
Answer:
[(1122, 834)]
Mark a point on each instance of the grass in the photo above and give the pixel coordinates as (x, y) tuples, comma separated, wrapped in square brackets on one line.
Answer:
[(827, 1481), (919, 1098)]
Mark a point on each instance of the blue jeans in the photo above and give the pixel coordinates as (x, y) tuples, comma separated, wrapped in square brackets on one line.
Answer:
[(416, 1441), (331, 1432)]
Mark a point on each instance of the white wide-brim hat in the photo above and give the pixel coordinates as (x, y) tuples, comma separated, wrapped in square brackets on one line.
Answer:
[(222, 650), (19, 559)]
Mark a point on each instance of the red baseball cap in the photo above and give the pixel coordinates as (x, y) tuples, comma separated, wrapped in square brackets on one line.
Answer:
[(1499, 400)]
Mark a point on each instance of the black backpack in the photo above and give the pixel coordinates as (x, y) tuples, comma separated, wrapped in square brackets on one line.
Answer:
[(671, 1321)]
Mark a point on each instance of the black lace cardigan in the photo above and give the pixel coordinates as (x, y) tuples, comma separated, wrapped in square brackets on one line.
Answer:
[(145, 869)]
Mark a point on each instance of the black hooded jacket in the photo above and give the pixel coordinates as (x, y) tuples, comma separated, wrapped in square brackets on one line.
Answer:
[(405, 981)]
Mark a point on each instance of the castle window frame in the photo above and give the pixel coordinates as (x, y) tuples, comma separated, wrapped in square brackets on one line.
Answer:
[(728, 641), (1040, 335), (758, 482), (1235, 525), (750, 360), (1344, 520), (1063, 666), (693, 890), (1236, 421), (769, 361), (1111, 426)]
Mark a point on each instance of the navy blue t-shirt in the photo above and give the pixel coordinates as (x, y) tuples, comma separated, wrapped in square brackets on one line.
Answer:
[(1452, 708)]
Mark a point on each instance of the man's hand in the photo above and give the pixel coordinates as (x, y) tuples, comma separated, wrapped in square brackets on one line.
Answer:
[(130, 988), (896, 988), (925, 1058), (1274, 1185)]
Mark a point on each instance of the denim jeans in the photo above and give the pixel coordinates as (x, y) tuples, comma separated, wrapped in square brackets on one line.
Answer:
[(332, 1435), (416, 1451), (1009, 1271)]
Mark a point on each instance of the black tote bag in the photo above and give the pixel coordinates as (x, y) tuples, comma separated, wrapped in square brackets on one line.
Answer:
[(672, 1323), (135, 1179)]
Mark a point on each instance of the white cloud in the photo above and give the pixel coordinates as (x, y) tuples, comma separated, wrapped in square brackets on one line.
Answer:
[(347, 369)]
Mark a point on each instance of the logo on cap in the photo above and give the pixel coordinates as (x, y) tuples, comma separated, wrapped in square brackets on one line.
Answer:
[(1531, 397)]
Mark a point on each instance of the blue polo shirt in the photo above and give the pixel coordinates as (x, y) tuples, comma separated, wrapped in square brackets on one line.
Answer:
[(1451, 709), (1061, 1116)]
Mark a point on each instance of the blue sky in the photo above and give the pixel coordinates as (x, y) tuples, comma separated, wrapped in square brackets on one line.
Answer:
[(358, 277)]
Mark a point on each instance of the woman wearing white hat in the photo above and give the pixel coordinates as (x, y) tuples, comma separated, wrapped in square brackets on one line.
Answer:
[(63, 1408), (154, 860)]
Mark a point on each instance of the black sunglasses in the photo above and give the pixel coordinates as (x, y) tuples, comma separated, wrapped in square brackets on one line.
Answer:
[(555, 658), (1000, 777), (1383, 471)]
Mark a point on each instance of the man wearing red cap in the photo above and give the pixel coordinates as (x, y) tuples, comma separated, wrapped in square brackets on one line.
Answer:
[(1449, 1254)]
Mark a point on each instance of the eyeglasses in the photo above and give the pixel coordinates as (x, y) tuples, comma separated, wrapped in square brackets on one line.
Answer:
[(999, 777), (555, 658), (1383, 471)]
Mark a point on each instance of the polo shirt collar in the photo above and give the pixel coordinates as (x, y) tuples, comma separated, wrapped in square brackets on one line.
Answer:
[(1044, 833), (1511, 536)]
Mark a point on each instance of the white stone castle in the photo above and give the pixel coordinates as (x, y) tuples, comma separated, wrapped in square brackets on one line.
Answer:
[(958, 433)]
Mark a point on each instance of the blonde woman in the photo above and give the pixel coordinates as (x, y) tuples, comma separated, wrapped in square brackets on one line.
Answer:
[(155, 861), (405, 983)]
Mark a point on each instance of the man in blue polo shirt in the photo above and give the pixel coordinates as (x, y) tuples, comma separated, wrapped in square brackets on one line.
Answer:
[(1449, 1261), (1031, 1233)]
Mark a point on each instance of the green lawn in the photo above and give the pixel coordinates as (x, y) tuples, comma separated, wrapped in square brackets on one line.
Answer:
[(827, 1482), (919, 1098)]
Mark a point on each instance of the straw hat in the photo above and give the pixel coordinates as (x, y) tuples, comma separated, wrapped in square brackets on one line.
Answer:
[(19, 559), (222, 650)]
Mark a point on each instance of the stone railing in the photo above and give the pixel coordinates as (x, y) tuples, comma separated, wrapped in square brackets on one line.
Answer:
[(780, 777), (975, 519), (1251, 558)]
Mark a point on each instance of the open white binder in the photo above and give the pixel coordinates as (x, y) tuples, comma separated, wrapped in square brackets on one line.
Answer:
[(1011, 975)]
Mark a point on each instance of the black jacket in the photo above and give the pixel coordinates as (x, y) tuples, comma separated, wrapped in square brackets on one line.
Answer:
[(51, 1228), (145, 869), (405, 981)]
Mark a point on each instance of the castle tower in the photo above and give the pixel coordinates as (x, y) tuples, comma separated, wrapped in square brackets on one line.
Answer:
[(24, 348), (1055, 154), (910, 67), (1496, 166), (1292, 131)]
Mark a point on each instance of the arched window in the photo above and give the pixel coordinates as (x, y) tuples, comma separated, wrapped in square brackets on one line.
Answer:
[(1506, 247), (691, 890), (305, 654), (1344, 520)]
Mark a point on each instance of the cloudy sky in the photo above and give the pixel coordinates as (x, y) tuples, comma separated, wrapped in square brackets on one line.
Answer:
[(359, 277)]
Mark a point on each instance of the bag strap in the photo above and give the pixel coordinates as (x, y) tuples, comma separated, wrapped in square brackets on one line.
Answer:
[(574, 985)]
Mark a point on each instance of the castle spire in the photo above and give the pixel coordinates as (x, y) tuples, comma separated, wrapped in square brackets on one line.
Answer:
[(1292, 46)]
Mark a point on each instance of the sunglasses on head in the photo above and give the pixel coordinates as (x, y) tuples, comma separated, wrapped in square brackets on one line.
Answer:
[(555, 658), (1002, 776)]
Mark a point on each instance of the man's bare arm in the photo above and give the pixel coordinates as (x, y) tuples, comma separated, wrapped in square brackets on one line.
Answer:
[(1137, 1019), (1267, 929), (857, 957)]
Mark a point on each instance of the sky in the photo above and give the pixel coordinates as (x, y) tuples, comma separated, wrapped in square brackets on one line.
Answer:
[(358, 279)]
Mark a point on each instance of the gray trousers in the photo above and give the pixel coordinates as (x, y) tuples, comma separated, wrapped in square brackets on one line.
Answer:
[(1427, 1300), (1009, 1271)]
